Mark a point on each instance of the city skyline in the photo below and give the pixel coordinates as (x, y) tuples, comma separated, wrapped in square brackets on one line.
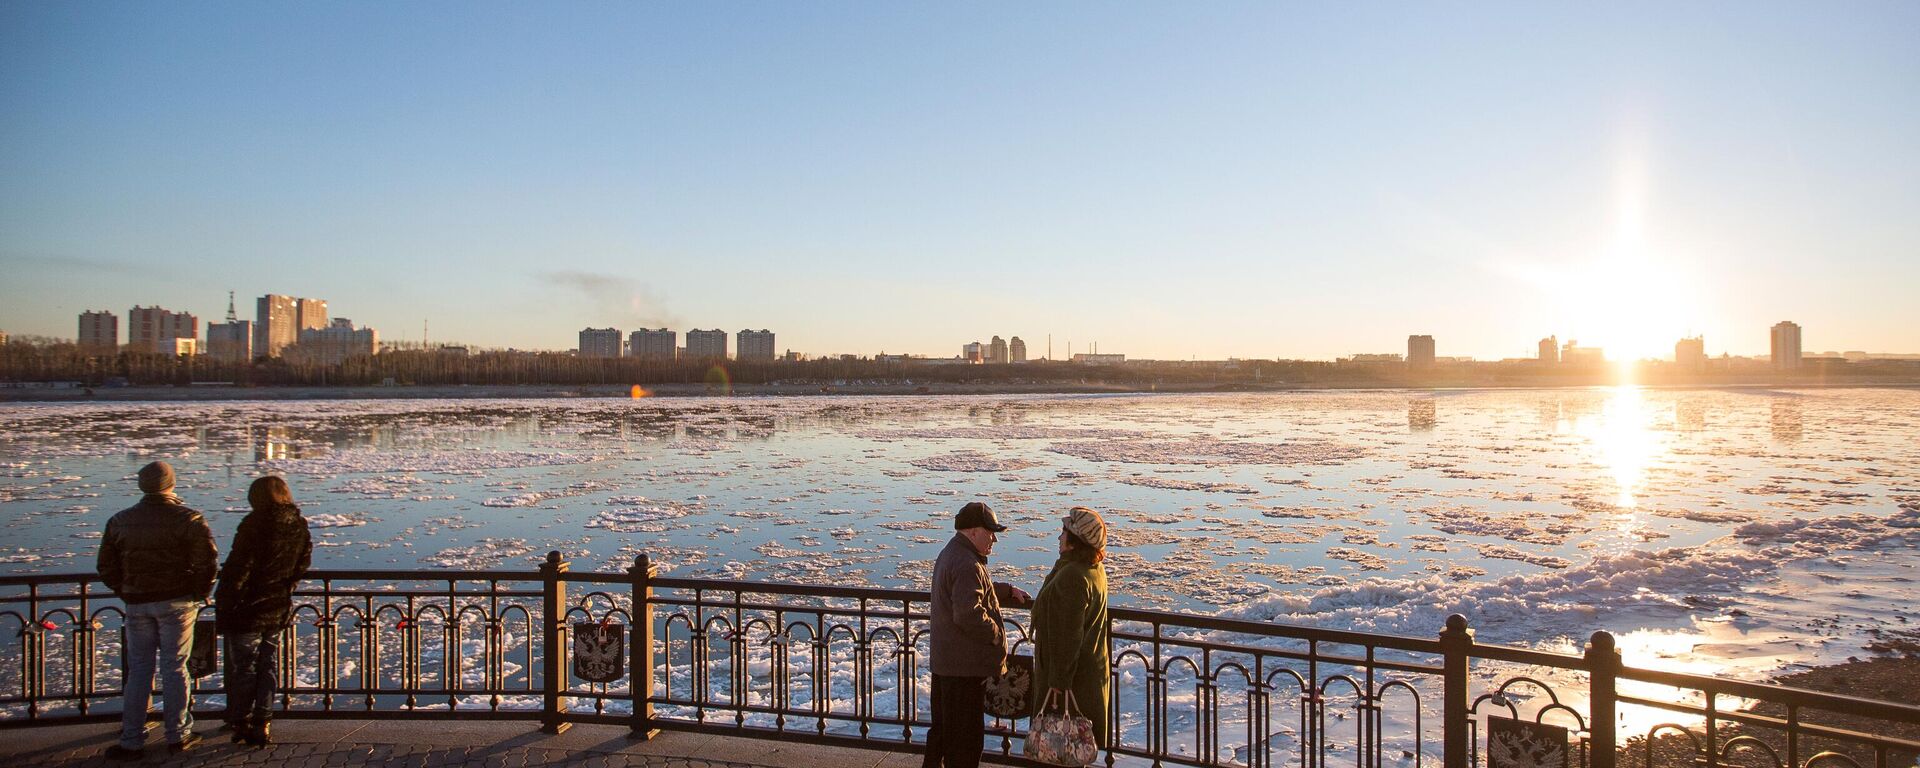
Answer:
[(1784, 347), (1171, 186)]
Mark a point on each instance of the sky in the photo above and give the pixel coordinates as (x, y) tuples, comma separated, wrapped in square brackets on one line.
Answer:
[(1170, 181)]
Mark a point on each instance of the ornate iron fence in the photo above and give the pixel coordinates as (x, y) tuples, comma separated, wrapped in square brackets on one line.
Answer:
[(844, 665)]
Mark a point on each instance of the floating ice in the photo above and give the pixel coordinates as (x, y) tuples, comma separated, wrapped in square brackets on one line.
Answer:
[(970, 461), (1207, 450), (1186, 485), (325, 520)]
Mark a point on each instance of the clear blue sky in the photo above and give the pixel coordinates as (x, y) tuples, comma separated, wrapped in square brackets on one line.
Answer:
[(1170, 180)]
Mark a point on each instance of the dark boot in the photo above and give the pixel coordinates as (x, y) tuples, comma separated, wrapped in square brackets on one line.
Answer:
[(260, 733), (239, 728)]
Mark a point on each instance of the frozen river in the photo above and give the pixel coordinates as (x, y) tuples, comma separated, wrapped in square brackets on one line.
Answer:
[(1725, 532)]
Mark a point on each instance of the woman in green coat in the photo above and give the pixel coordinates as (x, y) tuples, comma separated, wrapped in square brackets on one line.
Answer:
[(1070, 642)]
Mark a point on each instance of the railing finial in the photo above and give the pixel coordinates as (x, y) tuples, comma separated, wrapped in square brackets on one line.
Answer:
[(1602, 642), (553, 558), (1456, 625)]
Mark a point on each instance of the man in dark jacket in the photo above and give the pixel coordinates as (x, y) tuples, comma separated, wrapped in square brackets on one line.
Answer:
[(968, 642), (158, 556)]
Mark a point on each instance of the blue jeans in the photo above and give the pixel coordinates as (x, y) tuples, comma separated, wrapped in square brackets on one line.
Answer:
[(163, 630), (253, 675)]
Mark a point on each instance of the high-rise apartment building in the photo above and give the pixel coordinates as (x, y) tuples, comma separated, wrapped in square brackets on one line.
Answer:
[(997, 351), (707, 345), (276, 324), (1690, 354), (1786, 345), (973, 352), (1550, 349), (1017, 350), (99, 331), (652, 343), (1419, 350), (599, 342), (310, 314), (152, 329), (754, 345), (335, 343)]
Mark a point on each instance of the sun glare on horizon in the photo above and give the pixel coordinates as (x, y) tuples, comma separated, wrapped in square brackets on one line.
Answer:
[(1632, 298)]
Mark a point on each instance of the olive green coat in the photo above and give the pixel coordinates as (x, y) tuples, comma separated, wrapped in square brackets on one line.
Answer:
[(1070, 642)]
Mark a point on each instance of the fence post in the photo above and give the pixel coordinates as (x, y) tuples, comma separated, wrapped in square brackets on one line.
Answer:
[(1456, 646), (640, 661), (553, 623), (1603, 665)]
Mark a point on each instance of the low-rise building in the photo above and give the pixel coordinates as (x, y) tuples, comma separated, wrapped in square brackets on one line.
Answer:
[(335, 343), (1571, 353), (230, 341)]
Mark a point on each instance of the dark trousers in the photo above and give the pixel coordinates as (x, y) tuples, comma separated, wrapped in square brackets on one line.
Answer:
[(253, 675), (959, 730)]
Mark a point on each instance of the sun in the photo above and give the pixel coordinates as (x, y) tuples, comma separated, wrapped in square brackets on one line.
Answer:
[(1630, 303), (1633, 296)]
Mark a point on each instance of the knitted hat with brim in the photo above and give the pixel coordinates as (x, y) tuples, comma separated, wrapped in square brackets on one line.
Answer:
[(1088, 526)]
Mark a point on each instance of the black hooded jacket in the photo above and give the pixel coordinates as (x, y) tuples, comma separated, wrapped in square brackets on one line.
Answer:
[(271, 551)]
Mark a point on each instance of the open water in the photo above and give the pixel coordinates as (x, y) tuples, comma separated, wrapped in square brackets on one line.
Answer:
[(1733, 532)]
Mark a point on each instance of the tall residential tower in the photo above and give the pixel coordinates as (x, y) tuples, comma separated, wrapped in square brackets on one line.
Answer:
[(1786, 345)]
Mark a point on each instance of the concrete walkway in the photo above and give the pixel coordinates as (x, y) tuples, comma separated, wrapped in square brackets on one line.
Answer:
[(433, 744)]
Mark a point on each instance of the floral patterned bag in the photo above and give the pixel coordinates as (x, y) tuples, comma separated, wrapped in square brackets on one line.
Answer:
[(1062, 736)]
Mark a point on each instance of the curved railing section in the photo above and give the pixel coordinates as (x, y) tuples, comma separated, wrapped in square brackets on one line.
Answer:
[(847, 665)]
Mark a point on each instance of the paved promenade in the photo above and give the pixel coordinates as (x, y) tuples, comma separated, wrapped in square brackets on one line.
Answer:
[(426, 744)]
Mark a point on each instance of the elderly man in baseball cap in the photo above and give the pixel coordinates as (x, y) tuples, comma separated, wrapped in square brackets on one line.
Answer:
[(969, 642)]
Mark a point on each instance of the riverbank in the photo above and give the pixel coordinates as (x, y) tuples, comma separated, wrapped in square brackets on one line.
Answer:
[(204, 393)]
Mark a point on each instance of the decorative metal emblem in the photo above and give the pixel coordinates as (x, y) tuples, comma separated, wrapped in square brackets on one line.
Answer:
[(599, 651), (202, 659), (1520, 744), (1010, 695)]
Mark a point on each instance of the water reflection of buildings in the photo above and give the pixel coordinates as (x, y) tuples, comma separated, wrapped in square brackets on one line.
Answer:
[(1422, 415), (999, 414), (273, 444), (1787, 419)]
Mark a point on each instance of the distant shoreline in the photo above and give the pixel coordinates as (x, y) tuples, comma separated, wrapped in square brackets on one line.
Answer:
[(549, 391)]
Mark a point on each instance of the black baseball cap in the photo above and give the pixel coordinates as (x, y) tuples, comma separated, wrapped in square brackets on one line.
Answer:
[(977, 515)]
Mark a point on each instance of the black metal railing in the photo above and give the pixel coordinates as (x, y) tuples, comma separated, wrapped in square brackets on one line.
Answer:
[(845, 665)]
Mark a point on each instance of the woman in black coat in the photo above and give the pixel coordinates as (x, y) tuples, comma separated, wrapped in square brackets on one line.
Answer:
[(255, 601)]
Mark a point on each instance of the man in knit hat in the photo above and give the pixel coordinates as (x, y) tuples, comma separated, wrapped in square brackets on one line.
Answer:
[(968, 642), (158, 556)]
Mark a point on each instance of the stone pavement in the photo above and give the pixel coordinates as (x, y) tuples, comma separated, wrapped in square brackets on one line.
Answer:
[(437, 744)]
